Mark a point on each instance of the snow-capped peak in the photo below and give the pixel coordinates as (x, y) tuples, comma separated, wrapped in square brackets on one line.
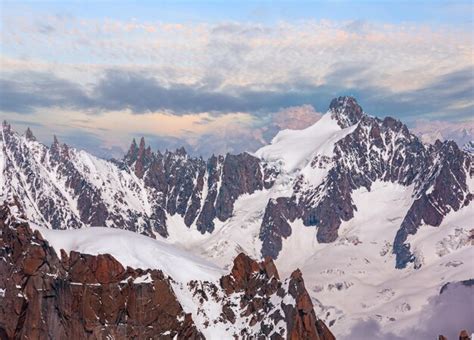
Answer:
[(294, 149)]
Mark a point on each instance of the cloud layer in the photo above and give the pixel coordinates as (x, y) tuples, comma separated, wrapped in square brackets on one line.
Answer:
[(66, 68)]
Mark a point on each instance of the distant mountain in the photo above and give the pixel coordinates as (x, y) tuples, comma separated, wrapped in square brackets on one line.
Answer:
[(349, 200), (460, 132)]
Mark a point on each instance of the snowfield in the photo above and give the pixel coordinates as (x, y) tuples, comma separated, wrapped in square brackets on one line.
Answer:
[(133, 250), (291, 148), (355, 279)]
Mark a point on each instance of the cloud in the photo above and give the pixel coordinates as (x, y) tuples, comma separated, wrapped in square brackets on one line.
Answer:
[(446, 314), (119, 90), (236, 136), (26, 123), (296, 117), (96, 67), (243, 54), (24, 92), (86, 140), (450, 95)]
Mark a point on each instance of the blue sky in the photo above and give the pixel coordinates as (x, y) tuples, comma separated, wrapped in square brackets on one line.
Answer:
[(221, 76), (430, 12)]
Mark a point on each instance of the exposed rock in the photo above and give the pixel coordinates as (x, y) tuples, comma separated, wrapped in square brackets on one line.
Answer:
[(467, 283), (301, 318), (241, 174), (463, 335), (275, 225), (443, 188), (29, 135), (259, 283), (346, 111)]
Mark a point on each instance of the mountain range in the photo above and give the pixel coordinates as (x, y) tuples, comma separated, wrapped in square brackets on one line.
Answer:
[(377, 221)]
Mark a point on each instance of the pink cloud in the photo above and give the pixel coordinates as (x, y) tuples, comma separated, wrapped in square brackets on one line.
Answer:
[(296, 117)]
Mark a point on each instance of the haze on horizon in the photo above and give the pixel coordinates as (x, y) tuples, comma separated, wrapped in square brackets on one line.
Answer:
[(220, 77)]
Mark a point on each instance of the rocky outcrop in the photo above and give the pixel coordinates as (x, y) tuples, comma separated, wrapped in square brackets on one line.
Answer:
[(467, 283), (275, 225), (346, 111), (241, 174), (29, 135), (442, 188), (267, 300), (463, 335), (80, 296)]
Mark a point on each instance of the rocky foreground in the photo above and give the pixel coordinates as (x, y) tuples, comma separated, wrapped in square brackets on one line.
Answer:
[(45, 295)]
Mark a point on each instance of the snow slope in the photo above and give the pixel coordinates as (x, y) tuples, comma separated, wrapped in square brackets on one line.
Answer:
[(293, 149), (354, 277), (138, 251), (133, 250)]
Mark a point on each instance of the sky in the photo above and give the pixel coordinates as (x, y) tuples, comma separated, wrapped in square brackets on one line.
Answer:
[(226, 76)]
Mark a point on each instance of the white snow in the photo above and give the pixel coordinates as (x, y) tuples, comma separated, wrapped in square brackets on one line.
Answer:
[(355, 277), (134, 250), (293, 149), (2, 167), (236, 235)]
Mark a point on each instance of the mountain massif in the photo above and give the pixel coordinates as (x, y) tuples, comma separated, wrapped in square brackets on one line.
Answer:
[(357, 202)]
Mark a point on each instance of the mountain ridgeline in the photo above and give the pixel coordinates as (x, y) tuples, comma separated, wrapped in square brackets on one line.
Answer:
[(64, 188)]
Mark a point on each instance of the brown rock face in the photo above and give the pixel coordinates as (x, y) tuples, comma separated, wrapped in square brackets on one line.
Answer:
[(80, 296), (304, 323), (258, 283), (275, 225)]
